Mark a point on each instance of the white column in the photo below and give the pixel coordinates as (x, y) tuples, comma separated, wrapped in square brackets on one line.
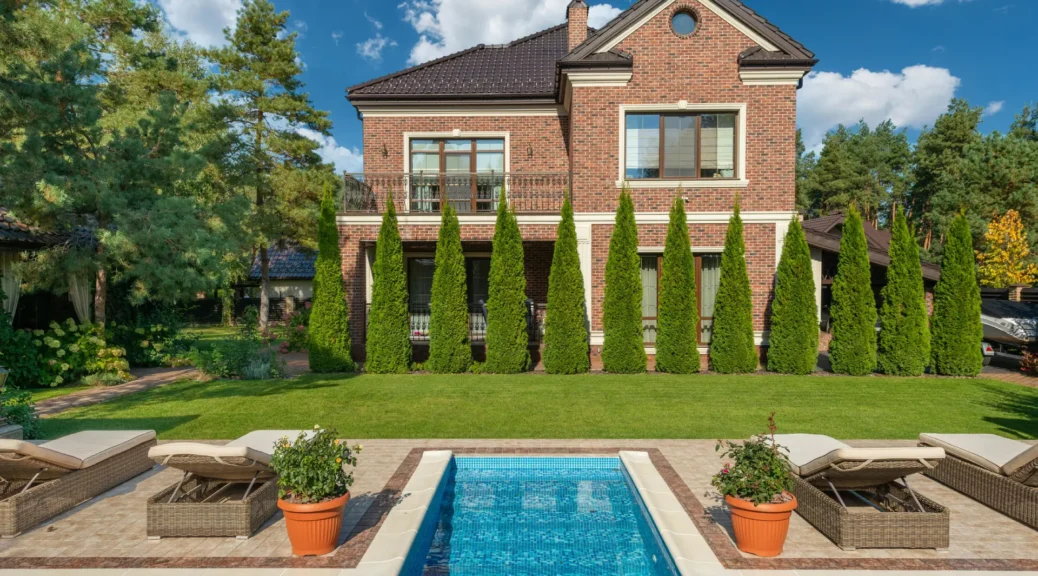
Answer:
[(816, 270), (584, 251), (781, 228)]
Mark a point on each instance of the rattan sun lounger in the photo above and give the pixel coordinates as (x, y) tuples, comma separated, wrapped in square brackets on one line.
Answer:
[(995, 471), (228, 490), (861, 498), (38, 482)]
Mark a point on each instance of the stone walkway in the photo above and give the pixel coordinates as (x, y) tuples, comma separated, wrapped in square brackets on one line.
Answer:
[(147, 378)]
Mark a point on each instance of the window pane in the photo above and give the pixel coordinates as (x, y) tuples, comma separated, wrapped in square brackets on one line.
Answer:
[(478, 275), (490, 161), (718, 135), (419, 287), (425, 162), (679, 146), (459, 162), (425, 145), (710, 278), (643, 146), (650, 297), (490, 145), (457, 145)]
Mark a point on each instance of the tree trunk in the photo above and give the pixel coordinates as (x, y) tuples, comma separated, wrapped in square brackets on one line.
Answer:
[(100, 295), (264, 311)]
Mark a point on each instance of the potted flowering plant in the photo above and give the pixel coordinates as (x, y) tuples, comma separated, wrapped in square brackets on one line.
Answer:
[(313, 488), (756, 484)]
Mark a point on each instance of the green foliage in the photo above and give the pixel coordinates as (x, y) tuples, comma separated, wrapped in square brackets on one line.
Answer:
[(957, 331), (389, 328), (296, 331), (150, 344), (759, 471), (17, 407), (313, 468), (17, 353), (507, 337), (806, 163), (624, 349), (330, 317), (565, 326), (904, 338), (677, 349), (249, 355), (64, 351), (732, 349), (450, 351), (853, 310), (793, 345)]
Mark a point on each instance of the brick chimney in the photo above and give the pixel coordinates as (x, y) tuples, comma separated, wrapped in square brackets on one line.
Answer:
[(1016, 292), (576, 14)]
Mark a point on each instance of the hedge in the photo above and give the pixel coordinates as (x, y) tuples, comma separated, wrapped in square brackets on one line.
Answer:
[(853, 310), (507, 338), (677, 348), (450, 351), (957, 331), (330, 316), (732, 349), (904, 337), (793, 345), (623, 351), (389, 324)]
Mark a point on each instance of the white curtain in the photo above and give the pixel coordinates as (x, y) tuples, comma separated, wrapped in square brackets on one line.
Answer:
[(79, 293), (9, 282)]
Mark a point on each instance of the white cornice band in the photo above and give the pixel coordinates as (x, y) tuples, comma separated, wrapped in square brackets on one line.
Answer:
[(599, 79), (771, 77), (579, 217)]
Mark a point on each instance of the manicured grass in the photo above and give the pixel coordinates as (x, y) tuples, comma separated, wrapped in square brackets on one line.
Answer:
[(39, 394), (593, 406), (208, 336)]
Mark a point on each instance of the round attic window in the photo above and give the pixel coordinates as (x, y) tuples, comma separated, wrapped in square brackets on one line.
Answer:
[(683, 23)]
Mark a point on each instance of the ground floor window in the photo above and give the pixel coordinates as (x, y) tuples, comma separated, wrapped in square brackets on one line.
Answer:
[(708, 276), (419, 290)]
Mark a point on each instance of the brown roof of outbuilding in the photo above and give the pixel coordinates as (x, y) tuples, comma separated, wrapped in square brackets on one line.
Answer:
[(287, 264), (826, 232), (15, 233)]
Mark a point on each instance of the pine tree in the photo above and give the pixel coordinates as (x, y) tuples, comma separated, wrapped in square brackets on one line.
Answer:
[(565, 327), (732, 349), (330, 316), (957, 331), (904, 338), (389, 328), (853, 311), (624, 349), (450, 351), (793, 345), (677, 349), (507, 337)]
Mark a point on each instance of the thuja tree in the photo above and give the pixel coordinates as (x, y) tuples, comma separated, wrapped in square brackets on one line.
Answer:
[(330, 316), (450, 351), (853, 311), (389, 332), (624, 350), (507, 337), (794, 313), (676, 341), (904, 337), (732, 349), (565, 327), (957, 330)]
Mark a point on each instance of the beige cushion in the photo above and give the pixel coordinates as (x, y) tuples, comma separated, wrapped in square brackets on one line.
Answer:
[(258, 446), (990, 452), (82, 449), (812, 453)]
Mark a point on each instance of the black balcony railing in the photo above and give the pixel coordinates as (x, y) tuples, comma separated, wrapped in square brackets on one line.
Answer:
[(420, 315), (427, 193)]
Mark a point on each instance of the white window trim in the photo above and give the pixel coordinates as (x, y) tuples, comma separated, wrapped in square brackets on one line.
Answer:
[(453, 134), (684, 106)]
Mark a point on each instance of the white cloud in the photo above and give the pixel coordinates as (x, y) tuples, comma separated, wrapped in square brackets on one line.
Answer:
[(374, 22), (914, 98), (601, 14), (918, 3), (344, 159), (994, 107), (372, 47), (300, 28), (447, 26), (201, 21), (336, 36)]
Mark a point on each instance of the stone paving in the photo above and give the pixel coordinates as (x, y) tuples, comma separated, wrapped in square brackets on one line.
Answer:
[(146, 379)]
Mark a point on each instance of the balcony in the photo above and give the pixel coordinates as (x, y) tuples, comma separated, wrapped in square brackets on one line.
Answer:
[(467, 193)]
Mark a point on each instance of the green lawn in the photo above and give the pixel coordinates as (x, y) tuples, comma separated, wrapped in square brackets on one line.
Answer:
[(593, 406), (39, 394), (210, 335)]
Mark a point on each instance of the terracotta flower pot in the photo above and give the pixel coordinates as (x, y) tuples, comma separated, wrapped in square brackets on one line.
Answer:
[(313, 529), (760, 530)]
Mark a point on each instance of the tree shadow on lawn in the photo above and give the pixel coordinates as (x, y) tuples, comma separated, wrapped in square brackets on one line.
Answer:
[(214, 389), (57, 427), (1020, 407)]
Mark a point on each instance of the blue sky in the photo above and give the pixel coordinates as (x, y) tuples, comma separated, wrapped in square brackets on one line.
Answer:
[(880, 59)]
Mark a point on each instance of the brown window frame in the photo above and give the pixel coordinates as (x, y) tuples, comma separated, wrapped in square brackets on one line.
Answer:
[(699, 294), (444, 153), (699, 146)]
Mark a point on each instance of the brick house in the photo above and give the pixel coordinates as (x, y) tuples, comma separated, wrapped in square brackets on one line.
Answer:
[(690, 97)]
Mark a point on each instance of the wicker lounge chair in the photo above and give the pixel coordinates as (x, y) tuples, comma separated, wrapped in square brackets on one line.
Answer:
[(995, 471), (860, 497), (228, 490), (38, 482)]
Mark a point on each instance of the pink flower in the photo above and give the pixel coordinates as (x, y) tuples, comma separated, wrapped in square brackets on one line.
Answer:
[(300, 328), (307, 305)]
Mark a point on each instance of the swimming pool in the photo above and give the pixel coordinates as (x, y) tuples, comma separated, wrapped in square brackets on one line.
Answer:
[(537, 517)]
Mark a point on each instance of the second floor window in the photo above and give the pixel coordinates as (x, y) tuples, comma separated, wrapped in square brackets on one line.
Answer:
[(467, 173), (680, 146)]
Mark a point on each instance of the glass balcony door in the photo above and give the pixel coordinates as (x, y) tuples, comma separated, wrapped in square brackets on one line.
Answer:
[(469, 174)]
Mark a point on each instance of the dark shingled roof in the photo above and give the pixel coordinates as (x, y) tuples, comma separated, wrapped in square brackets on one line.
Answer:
[(825, 233), (287, 264), (14, 233)]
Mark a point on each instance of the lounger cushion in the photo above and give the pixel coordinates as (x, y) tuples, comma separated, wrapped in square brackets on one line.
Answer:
[(812, 453), (80, 450), (257, 446), (990, 452)]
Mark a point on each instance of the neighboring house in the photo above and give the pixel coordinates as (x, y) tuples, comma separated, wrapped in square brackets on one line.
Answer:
[(291, 281), (693, 97)]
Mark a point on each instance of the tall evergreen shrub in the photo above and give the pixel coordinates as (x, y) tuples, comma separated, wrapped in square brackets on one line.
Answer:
[(389, 326), (853, 347), (677, 349), (957, 331), (450, 351), (904, 337), (507, 337), (624, 349), (330, 316), (793, 345), (732, 350), (565, 327)]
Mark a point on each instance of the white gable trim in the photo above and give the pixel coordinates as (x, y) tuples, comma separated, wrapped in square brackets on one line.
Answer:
[(709, 4)]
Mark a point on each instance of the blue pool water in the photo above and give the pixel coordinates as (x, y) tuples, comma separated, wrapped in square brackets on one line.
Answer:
[(538, 517)]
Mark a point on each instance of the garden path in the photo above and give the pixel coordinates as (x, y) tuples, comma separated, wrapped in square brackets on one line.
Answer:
[(146, 379)]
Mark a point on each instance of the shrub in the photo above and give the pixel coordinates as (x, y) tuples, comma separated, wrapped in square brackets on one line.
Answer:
[(102, 379), (853, 311), (449, 349), (565, 326), (1029, 363), (759, 473), (624, 349), (794, 312), (677, 348), (17, 353), (152, 335), (957, 331), (389, 326), (312, 469), (295, 334), (68, 351), (732, 350), (249, 355), (507, 337), (330, 317), (904, 337), (17, 407)]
